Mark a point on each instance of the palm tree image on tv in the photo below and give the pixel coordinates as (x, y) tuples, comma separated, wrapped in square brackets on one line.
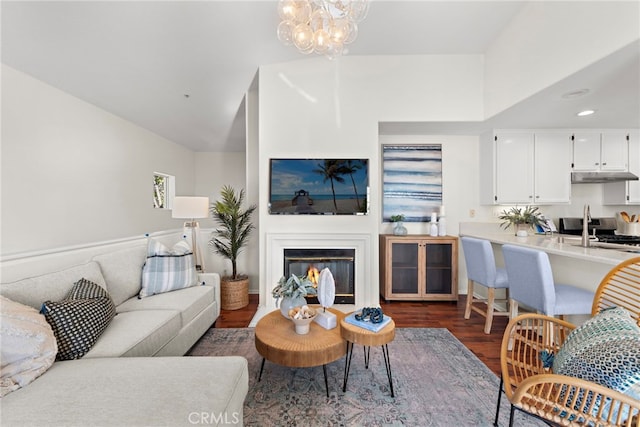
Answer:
[(350, 168), (330, 171), (319, 186)]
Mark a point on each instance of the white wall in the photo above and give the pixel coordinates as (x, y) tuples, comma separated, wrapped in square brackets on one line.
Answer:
[(460, 190), (318, 108), (74, 174), (252, 253), (550, 40)]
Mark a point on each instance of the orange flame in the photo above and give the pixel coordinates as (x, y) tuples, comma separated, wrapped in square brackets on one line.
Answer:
[(313, 275)]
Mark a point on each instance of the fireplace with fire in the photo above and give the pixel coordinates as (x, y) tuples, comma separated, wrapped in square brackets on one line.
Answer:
[(309, 262)]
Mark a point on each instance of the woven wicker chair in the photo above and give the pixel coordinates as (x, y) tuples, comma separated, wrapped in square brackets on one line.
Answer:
[(535, 389), (620, 288)]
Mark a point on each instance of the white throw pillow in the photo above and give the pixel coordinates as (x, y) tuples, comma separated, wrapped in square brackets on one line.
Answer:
[(28, 345)]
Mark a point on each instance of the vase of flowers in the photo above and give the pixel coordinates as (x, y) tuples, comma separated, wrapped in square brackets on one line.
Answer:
[(522, 219), (292, 291), (398, 225)]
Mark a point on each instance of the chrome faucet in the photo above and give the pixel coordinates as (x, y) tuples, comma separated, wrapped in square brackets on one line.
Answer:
[(586, 219)]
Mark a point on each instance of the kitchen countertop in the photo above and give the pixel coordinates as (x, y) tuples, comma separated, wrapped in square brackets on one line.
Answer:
[(557, 244)]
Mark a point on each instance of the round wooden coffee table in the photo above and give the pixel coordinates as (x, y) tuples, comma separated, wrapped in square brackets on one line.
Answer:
[(277, 342), (357, 335)]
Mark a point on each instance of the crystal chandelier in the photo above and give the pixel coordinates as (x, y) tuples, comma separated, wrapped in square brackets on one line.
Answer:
[(320, 26)]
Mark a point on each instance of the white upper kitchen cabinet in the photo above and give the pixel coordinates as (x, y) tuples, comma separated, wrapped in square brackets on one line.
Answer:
[(520, 167), (552, 172), (615, 151), (600, 151), (514, 168), (626, 192)]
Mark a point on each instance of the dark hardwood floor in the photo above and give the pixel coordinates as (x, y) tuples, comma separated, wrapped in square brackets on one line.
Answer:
[(417, 314)]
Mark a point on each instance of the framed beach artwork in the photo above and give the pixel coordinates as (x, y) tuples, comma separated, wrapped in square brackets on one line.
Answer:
[(411, 181)]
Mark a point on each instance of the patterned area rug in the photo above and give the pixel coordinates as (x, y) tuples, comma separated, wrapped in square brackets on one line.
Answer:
[(437, 382)]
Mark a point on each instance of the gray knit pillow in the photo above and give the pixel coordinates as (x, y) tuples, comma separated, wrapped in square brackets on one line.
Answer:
[(79, 319)]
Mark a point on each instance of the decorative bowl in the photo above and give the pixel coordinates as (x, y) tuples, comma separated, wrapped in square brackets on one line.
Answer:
[(302, 318)]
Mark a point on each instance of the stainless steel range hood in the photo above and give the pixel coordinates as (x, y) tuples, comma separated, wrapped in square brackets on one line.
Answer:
[(596, 177)]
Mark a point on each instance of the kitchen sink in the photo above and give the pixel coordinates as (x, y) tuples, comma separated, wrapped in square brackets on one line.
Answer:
[(567, 239)]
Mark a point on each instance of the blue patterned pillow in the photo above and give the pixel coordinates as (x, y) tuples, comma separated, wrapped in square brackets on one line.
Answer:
[(604, 350), (167, 269)]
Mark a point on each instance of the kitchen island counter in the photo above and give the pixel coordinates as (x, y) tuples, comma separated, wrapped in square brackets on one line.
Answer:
[(558, 244), (571, 263)]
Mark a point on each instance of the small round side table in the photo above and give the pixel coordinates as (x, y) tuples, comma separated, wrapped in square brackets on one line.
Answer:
[(356, 335)]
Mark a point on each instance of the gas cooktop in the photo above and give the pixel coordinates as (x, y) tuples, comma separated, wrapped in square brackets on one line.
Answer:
[(597, 226), (604, 229), (620, 239)]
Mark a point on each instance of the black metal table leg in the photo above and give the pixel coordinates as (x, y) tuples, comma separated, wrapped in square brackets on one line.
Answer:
[(347, 365), (324, 370), (387, 364), (326, 383), (261, 369), (367, 352)]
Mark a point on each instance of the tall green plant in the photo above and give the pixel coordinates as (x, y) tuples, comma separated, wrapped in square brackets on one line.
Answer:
[(234, 223)]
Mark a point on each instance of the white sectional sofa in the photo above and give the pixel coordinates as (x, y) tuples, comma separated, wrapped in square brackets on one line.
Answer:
[(108, 386)]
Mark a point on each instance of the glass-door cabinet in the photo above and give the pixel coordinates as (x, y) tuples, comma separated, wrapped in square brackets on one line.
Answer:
[(418, 267)]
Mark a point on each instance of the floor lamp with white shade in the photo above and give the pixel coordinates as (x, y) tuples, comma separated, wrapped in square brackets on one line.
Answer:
[(191, 208)]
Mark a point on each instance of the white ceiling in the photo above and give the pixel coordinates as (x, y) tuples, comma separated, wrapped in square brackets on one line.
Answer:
[(138, 60)]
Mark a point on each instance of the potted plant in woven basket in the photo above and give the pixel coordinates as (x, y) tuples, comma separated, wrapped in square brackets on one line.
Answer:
[(234, 227)]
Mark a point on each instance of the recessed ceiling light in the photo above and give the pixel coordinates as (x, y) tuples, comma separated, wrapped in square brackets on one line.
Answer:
[(586, 113), (575, 93)]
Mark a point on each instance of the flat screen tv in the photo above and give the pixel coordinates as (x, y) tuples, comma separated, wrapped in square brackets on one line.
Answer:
[(319, 187)]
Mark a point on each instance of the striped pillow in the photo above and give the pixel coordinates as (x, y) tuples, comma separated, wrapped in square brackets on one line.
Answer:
[(167, 269)]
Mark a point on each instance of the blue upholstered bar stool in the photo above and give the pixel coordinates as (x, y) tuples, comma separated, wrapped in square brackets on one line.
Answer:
[(481, 269), (531, 283)]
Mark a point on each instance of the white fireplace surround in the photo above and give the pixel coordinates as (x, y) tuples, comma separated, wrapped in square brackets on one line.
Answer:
[(365, 294)]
